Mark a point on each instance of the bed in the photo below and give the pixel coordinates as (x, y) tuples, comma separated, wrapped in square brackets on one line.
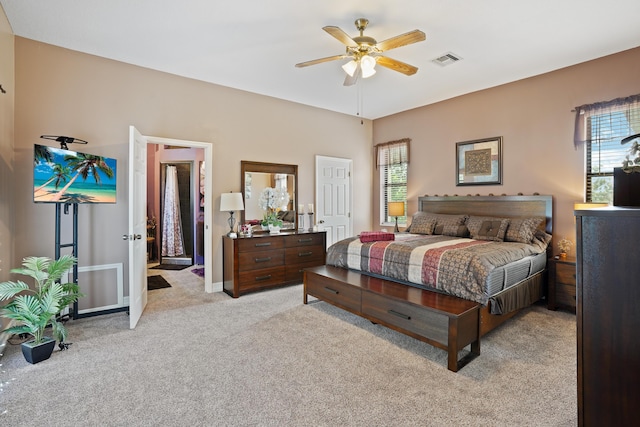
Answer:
[(501, 274)]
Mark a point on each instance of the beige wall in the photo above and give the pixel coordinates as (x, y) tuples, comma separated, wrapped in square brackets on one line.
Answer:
[(62, 92), (6, 146), (535, 120)]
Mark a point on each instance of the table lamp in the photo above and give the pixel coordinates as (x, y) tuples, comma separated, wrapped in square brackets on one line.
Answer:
[(231, 202), (396, 209)]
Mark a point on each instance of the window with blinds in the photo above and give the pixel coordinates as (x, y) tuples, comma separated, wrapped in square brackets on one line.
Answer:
[(394, 189), (604, 150), (393, 161)]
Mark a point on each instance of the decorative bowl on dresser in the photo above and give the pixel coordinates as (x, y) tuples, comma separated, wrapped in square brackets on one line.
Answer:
[(266, 261)]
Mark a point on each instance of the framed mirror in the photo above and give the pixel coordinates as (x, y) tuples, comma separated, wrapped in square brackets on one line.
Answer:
[(256, 177)]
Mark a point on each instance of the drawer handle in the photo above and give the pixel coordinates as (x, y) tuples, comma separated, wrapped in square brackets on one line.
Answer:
[(267, 277), (395, 313), (333, 291), (263, 259), (258, 245), (305, 240), (301, 254)]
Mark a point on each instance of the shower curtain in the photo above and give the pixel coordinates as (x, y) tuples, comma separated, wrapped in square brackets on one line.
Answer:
[(172, 239)]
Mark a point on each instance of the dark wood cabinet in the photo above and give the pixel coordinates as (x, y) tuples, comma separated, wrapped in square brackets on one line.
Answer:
[(269, 260), (608, 318), (562, 283)]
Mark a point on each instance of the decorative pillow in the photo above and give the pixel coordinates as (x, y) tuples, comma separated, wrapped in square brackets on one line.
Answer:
[(422, 224), (522, 229), (448, 225), (452, 230), (487, 228), (376, 236)]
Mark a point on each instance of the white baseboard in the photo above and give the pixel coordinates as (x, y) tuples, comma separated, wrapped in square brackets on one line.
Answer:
[(4, 337)]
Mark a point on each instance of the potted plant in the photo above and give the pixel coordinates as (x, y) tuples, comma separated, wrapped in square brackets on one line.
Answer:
[(272, 200), (565, 246), (631, 163), (34, 310)]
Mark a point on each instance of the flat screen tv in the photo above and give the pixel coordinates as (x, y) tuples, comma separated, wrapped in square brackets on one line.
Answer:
[(65, 176)]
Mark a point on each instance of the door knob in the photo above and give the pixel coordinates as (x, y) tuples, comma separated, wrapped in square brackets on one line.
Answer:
[(125, 237), (137, 237), (321, 221)]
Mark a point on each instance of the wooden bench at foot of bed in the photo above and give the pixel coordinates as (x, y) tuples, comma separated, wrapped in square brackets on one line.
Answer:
[(443, 321)]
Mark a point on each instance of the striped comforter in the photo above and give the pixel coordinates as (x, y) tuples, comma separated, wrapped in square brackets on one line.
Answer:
[(453, 265)]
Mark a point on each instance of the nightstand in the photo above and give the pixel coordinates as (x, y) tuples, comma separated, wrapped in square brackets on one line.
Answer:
[(562, 283)]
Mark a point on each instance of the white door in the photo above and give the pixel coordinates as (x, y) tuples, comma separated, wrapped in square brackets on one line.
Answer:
[(137, 215), (333, 197), (137, 225)]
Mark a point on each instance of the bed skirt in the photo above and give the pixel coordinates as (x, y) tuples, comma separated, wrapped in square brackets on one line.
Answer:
[(518, 296)]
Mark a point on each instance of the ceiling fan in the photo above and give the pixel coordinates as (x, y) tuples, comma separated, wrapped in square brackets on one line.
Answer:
[(365, 52)]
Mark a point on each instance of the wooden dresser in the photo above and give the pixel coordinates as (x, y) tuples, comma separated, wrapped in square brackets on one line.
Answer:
[(608, 294), (266, 261)]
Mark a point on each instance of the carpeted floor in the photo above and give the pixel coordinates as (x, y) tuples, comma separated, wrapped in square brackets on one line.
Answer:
[(157, 282), (265, 359)]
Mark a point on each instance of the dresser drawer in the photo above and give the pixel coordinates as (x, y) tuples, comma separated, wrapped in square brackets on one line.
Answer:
[(262, 259), (407, 316), (566, 273), (294, 272), (304, 254), (259, 244), (337, 293), (261, 278), (304, 240), (566, 294)]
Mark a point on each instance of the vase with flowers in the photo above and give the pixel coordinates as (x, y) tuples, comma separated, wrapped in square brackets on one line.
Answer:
[(272, 200), (565, 246)]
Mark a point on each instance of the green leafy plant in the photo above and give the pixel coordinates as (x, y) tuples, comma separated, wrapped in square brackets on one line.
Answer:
[(631, 163), (36, 309), (271, 218)]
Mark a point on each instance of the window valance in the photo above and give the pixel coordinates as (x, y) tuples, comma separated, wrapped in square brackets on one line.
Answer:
[(630, 105), (392, 152)]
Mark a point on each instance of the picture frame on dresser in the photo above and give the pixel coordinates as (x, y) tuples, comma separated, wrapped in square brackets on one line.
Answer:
[(479, 162)]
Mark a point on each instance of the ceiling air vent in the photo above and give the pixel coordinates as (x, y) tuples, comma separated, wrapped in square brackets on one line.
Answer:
[(447, 59)]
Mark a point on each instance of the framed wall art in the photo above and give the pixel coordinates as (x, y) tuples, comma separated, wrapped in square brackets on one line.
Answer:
[(479, 162)]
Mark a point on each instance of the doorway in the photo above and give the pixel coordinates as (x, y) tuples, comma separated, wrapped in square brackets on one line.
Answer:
[(176, 228), (333, 197), (137, 224)]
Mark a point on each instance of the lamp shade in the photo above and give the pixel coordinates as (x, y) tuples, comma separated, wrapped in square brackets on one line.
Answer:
[(367, 63), (350, 67), (396, 208), (230, 202)]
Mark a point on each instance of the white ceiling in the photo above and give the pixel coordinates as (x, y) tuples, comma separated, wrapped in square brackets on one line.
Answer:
[(253, 45)]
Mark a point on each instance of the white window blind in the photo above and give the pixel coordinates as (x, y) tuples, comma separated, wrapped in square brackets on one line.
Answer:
[(601, 127), (604, 150), (393, 161)]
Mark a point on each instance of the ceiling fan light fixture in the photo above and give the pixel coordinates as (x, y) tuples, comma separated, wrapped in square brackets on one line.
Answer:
[(367, 63), (350, 67)]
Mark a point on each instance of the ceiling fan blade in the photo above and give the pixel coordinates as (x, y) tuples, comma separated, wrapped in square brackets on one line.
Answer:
[(320, 60), (396, 65), (351, 80), (401, 40), (629, 138), (342, 37)]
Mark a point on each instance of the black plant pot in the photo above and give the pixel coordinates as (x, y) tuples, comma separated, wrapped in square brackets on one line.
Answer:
[(37, 353)]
